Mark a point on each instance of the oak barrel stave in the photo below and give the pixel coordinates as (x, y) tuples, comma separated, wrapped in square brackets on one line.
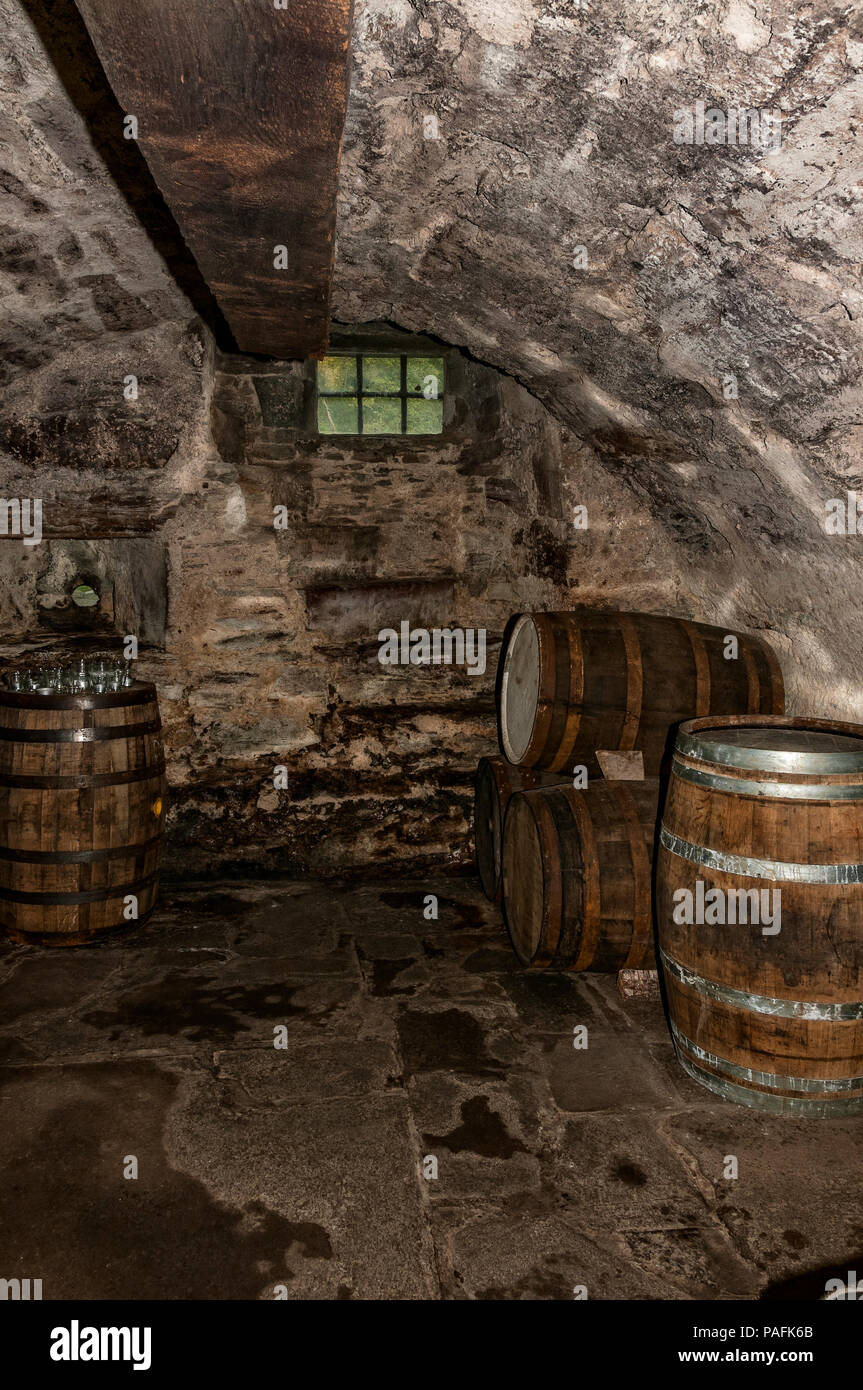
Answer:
[(82, 810), (773, 1020), (577, 875), (496, 782), (574, 682)]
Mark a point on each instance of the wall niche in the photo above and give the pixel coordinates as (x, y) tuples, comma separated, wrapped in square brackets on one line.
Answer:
[(80, 589)]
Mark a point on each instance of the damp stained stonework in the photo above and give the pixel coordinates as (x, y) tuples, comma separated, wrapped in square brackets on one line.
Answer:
[(259, 641), (304, 1167)]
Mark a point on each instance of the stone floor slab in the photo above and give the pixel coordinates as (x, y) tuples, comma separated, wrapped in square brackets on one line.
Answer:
[(560, 1169)]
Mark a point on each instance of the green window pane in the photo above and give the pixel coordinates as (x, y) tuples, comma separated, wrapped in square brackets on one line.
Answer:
[(382, 374), (425, 377), (381, 416), (337, 374), (337, 415), (425, 417)]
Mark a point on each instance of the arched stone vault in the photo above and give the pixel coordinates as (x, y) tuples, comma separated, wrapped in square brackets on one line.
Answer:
[(487, 141), (554, 125)]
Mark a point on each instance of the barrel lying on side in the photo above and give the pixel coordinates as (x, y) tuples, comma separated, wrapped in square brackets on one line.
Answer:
[(760, 911), (574, 682), (496, 781), (577, 875), (82, 813)]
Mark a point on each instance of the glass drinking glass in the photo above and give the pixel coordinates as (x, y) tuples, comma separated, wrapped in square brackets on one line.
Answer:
[(98, 674)]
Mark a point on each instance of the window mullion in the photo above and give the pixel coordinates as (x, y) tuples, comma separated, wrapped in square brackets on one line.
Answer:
[(404, 393)]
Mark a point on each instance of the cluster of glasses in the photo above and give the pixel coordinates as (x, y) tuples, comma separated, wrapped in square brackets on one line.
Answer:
[(102, 676)]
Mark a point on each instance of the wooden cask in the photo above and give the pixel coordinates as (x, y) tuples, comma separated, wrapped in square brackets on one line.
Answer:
[(577, 875), (496, 781), (574, 682), (759, 900), (82, 812)]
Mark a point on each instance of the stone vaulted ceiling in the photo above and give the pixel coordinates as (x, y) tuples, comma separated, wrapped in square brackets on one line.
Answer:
[(555, 126), (488, 141), (555, 123)]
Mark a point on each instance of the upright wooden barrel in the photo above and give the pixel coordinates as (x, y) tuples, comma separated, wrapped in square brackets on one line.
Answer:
[(82, 813), (759, 899), (571, 683), (577, 875), (496, 781)]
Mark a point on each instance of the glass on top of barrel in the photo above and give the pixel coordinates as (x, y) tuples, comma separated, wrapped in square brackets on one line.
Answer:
[(99, 675)]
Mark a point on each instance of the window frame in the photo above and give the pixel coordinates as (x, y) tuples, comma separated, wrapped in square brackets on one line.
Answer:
[(402, 395)]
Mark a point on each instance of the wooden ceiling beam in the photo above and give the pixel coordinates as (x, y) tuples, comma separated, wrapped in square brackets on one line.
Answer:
[(240, 108)]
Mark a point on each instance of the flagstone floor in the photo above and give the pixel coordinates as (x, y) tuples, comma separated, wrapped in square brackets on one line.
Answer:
[(428, 1130)]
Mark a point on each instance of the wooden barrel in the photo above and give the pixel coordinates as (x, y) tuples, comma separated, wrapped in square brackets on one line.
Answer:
[(82, 813), (571, 683), (496, 781), (577, 875), (759, 899)]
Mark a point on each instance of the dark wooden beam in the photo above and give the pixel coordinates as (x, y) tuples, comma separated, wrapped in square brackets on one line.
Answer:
[(240, 109)]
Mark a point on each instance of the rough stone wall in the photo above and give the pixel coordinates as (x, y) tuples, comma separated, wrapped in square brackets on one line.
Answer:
[(88, 296), (271, 645), (282, 626), (555, 123), (269, 654), (555, 132), (274, 632)]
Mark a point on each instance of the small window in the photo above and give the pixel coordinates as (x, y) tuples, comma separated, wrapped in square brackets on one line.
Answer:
[(391, 393), (85, 596)]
